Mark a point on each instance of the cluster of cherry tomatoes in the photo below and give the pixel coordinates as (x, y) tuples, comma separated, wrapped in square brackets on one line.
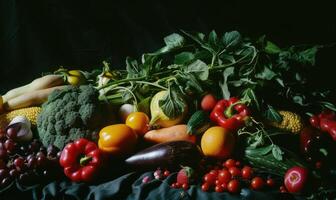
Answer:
[(231, 176)]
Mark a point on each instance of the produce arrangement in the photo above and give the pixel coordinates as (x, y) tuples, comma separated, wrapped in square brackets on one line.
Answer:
[(226, 114)]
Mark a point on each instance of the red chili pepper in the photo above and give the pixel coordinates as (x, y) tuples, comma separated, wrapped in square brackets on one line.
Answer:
[(230, 114), (329, 126), (325, 121), (81, 160)]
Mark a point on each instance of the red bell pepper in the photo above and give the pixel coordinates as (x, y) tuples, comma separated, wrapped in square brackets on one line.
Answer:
[(325, 121), (230, 114), (81, 160)]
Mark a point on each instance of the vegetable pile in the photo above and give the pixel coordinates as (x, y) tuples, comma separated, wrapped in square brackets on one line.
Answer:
[(227, 113)]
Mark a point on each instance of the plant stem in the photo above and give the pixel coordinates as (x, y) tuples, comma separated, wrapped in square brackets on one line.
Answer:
[(152, 84)]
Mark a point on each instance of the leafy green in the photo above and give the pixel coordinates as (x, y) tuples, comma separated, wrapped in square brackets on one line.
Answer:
[(199, 69), (277, 152), (172, 104), (272, 115), (224, 85)]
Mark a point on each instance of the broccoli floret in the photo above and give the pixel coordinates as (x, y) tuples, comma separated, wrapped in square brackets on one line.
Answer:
[(70, 114)]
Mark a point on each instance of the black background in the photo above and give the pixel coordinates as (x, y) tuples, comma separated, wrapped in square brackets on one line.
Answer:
[(38, 36)]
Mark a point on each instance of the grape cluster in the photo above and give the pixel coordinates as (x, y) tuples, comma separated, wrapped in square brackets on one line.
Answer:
[(28, 163)]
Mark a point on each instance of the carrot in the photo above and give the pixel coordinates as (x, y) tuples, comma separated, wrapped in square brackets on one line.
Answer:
[(34, 98), (43, 82), (173, 133)]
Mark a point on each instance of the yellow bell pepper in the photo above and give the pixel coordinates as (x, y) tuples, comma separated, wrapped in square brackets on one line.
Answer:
[(117, 139)]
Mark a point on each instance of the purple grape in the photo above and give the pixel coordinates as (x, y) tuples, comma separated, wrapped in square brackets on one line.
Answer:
[(31, 162), (41, 160), (2, 164), (3, 173), (11, 133), (19, 163), (10, 145), (3, 154), (14, 173)]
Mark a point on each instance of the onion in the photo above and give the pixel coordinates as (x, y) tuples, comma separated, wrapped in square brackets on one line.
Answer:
[(21, 126)]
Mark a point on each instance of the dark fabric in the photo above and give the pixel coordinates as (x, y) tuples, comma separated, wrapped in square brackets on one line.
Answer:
[(130, 186)]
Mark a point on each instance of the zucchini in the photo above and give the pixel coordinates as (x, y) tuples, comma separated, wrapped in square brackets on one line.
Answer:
[(198, 123), (263, 159)]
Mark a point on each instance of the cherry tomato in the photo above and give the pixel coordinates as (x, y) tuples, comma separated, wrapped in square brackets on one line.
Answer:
[(166, 173), (315, 121), (238, 163), (185, 186), (219, 188), (230, 163), (205, 187), (296, 179), (247, 172), (257, 183), (233, 186), (210, 179), (234, 171), (270, 182), (214, 172), (173, 185), (208, 102), (177, 185), (224, 176), (139, 122)]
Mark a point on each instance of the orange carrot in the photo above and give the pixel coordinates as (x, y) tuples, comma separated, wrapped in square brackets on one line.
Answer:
[(173, 133)]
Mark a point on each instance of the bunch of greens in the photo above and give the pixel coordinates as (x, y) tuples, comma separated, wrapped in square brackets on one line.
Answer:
[(190, 65)]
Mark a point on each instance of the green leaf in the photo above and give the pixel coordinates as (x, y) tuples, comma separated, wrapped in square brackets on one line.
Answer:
[(231, 39), (183, 58), (255, 140), (272, 115), (328, 105), (307, 56), (277, 152), (144, 105), (280, 81), (250, 96), (259, 151), (199, 69), (224, 85), (174, 40), (266, 74), (132, 68), (271, 48), (172, 104), (213, 39)]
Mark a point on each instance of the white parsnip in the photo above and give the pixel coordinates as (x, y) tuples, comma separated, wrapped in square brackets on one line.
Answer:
[(34, 98), (43, 82)]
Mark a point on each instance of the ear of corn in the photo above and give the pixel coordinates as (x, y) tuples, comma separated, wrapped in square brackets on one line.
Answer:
[(291, 122), (31, 113)]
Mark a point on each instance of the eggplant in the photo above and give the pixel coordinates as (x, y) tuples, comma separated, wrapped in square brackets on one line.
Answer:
[(169, 155)]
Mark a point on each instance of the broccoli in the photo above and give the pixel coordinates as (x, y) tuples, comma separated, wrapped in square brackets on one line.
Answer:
[(70, 114)]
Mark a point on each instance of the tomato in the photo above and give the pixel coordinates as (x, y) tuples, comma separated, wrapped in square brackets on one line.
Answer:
[(247, 172), (217, 142), (296, 179), (139, 122), (233, 186), (219, 188), (208, 102), (205, 187), (209, 178), (230, 163), (166, 173), (224, 176), (214, 172), (270, 182), (257, 183), (234, 171), (185, 186)]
